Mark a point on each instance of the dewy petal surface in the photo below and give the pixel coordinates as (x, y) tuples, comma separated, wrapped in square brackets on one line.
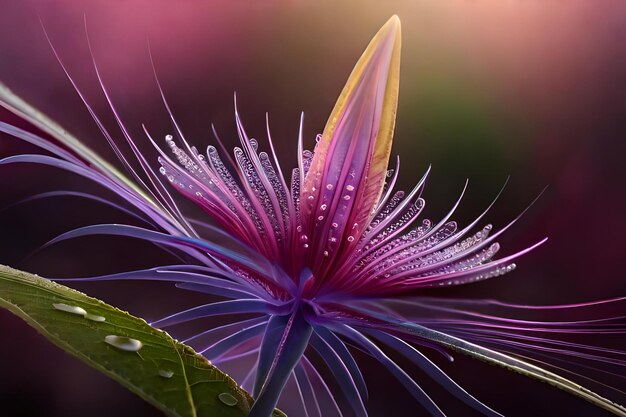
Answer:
[(347, 173)]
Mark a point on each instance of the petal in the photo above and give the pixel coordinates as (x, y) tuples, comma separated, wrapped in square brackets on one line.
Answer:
[(347, 173), (16, 105)]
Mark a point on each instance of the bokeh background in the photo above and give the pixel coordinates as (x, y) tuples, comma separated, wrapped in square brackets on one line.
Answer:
[(531, 89)]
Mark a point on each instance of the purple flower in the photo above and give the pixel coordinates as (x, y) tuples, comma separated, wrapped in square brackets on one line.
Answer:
[(327, 263)]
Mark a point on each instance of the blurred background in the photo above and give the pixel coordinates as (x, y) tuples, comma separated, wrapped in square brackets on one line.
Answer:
[(531, 89)]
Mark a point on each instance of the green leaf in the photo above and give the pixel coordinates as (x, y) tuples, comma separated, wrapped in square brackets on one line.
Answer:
[(164, 372)]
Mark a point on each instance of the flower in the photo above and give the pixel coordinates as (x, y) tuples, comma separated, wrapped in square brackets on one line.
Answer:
[(330, 262)]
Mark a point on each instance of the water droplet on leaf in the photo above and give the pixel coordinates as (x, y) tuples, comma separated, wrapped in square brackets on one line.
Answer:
[(166, 373), (123, 343), (228, 399), (70, 309), (95, 317)]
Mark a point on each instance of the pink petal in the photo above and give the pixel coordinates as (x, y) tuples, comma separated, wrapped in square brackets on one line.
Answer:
[(348, 170)]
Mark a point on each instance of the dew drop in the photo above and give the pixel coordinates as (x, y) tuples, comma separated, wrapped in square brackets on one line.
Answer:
[(228, 399), (162, 170), (254, 143), (166, 373), (350, 187), (95, 317), (123, 343), (329, 186), (70, 309)]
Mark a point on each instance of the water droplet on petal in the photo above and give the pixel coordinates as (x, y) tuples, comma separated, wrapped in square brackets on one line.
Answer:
[(95, 317), (350, 187), (70, 309), (166, 373), (123, 343), (228, 399)]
